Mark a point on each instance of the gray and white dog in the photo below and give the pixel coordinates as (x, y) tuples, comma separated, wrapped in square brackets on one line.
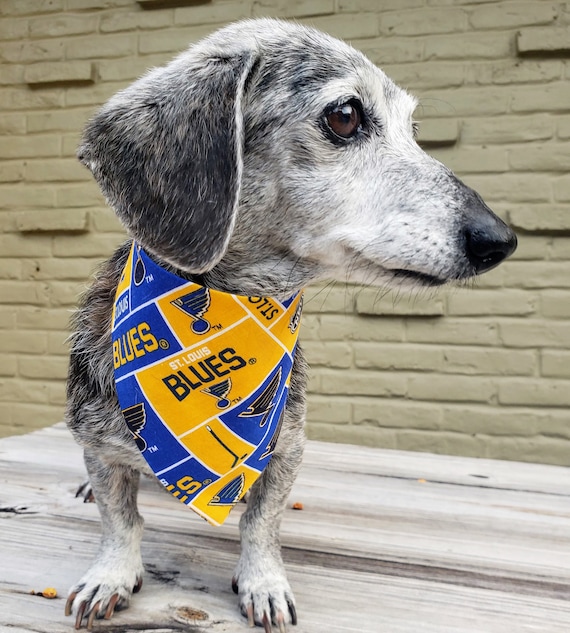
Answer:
[(265, 158)]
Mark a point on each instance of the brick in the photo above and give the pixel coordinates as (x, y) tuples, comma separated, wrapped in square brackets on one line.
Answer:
[(12, 75), (105, 221), (17, 196), (171, 40), (513, 14), (15, 245), (10, 268), (56, 170), (53, 220), (555, 363), (535, 333), (490, 420), (352, 6), (32, 51), (59, 72), (427, 75), (13, 341), (329, 409), (28, 417), (114, 22), (329, 354), (93, 95), (44, 269), (85, 245), (82, 5), (17, 390), (40, 145), (12, 124), (465, 102), (58, 343), (8, 365), (233, 11), (391, 51), (562, 189), (84, 195), (536, 274), (397, 414), (18, 292), (332, 297), (423, 22), (31, 100), (478, 45), (102, 46), (397, 356), (7, 318), (374, 301), (346, 26), (440, 443), (507, 129), (490, 362), (555, 304), (452, 331), (33, 318), (549, 40), (508, 302), (352, 328), (360, 382), (541, 218), (560, 248), (553, 97), (535, 449), (553, 157), (26, 7), (563, 127), (351, 434), (510, 72), (43, 367), (532, 247), (129, 69), (470, 160), (438, 132), (63, 25), (65, 293), (12, 171), (13, 29), (57, 393), (512, 187), (451, 388), (535, 392)]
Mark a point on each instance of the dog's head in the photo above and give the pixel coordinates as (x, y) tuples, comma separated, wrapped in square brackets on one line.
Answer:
[(272, 155)]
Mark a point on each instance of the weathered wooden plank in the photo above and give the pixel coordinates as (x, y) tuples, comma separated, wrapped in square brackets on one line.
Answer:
[(376, 547)]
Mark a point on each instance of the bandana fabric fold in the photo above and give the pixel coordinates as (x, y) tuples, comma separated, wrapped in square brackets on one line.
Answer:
[(202, 378)]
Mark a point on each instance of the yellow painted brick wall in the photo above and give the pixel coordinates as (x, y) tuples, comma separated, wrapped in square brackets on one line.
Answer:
[(482, 371)]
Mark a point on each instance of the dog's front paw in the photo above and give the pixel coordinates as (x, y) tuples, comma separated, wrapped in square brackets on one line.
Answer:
[(265, 596), (102, 591)]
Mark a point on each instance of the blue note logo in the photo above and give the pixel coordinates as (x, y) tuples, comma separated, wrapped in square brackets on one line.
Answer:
[(195, 304)]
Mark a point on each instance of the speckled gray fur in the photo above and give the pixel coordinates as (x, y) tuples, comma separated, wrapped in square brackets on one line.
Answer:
[(219, 164)]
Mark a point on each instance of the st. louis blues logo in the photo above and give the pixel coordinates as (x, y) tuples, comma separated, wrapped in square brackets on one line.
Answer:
[(270, 448), (296, 317), (140, 270), (195, 305), (135, 419), (220, 391), (263, 404), (230, 494)]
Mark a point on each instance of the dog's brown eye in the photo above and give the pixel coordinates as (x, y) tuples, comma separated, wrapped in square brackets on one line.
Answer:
[(345, 120)]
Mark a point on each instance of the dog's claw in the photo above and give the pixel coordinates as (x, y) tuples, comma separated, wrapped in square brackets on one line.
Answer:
[(250, 618), (111, 608), (80, 613), (139, 584), (235, 586), (281, 623), (69, 602), (92, 615), (292, 612), (266, 623)]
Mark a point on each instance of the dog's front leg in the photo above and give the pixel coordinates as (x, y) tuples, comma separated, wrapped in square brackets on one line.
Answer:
[(265, 595), (117, 570)]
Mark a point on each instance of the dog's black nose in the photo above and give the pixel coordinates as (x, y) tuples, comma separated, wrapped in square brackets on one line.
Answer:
[(489, 241)]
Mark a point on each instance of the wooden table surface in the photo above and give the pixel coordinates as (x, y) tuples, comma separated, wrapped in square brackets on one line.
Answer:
[(387, 542)]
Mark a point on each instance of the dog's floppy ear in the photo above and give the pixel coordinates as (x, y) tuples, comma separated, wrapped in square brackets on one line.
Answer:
[(167, 154)]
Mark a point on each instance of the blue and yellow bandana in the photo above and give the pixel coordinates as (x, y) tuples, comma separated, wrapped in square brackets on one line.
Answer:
[(202, 378)]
